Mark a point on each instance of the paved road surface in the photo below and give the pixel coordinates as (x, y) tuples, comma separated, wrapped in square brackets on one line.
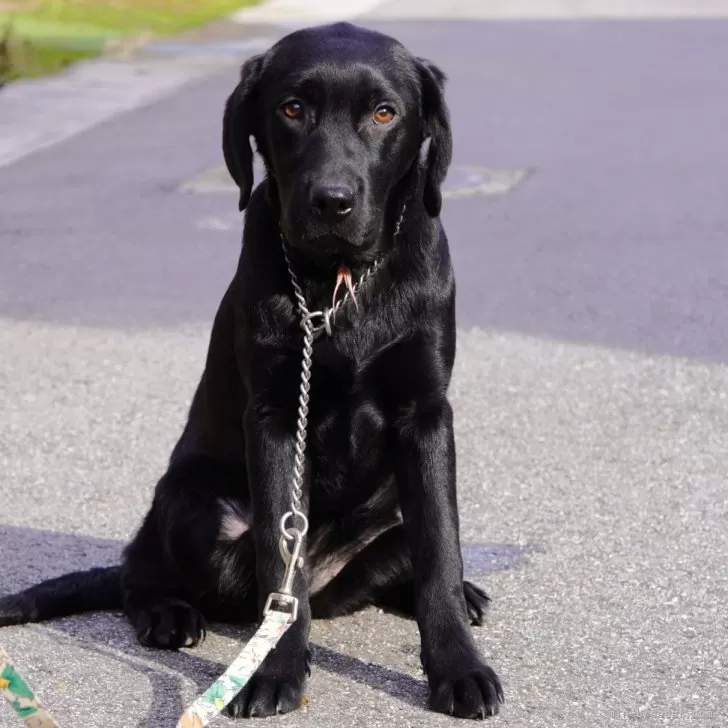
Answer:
[(591, 390)]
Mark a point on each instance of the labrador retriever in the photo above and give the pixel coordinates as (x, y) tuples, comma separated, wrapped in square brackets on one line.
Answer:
[(355, 136)]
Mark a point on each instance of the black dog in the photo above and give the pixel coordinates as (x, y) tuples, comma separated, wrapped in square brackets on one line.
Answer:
[(355, 136)]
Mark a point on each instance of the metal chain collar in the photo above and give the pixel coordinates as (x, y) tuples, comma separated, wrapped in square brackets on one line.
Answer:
[(294, 524)]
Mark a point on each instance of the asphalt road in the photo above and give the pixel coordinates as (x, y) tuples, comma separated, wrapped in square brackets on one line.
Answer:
[(591, 390)]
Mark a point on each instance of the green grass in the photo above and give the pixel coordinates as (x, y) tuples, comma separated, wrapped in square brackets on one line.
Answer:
[(22, 58), (45, 36)]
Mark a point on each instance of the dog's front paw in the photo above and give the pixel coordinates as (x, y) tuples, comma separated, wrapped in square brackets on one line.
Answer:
[(277, 687), (469, 689)]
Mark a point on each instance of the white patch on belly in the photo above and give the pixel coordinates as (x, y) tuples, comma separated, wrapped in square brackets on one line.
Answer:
[(233, 520), (329, 567), (326, 571)]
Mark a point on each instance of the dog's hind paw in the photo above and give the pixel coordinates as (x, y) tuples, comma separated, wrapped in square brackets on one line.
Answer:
[(476, 601), (168, 624)]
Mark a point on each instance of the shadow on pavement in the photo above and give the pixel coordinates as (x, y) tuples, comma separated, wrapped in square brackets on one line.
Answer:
[(37, 554)]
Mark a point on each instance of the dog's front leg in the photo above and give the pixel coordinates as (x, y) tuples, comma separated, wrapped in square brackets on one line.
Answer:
[(278, 685), (461, 683)]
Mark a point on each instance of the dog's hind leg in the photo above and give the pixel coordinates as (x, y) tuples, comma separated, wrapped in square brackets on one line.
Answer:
[(381, 574), (372, 572), (192, 556), (400, 598)]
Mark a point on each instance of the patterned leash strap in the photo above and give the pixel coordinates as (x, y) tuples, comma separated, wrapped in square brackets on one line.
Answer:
[(210, 704), (21, 698)]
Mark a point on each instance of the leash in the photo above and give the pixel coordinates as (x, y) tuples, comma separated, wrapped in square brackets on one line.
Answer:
[(293, 525), (21, 698), (281, 607)]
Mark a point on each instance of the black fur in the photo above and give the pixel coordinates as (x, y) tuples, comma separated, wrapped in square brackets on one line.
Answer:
[(380, 485)]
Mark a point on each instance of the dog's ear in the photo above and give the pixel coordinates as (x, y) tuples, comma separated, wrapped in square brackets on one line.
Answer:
[(238, 125), (436, 129)]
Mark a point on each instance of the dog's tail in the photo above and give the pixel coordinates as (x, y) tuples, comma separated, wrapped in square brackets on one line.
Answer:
[(81, 591)]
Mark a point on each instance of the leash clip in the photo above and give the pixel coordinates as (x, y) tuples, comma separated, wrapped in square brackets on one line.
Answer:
[(278, 599), (293, 560)]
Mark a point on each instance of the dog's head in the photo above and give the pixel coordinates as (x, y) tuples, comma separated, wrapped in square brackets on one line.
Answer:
[(343, 117)]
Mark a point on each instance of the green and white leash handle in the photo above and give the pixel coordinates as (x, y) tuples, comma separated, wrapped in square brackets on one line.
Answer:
[(21, 698)]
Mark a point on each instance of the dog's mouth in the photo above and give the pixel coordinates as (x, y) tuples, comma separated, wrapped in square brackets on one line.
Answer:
[(331, 243), (330, 249)]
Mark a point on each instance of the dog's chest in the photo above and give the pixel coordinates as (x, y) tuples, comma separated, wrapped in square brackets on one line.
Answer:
[(347, 426)]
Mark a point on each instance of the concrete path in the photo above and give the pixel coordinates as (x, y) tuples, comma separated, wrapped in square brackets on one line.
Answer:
[(588, 222)]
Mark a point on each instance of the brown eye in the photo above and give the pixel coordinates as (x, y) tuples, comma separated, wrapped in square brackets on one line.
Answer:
[(384, 114), (293, 109)]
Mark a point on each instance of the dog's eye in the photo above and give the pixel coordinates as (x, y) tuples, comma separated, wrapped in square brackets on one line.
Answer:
[(293, 109), (384, 114)]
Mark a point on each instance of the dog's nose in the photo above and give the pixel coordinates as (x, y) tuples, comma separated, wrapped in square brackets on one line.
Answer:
[(332, 202)]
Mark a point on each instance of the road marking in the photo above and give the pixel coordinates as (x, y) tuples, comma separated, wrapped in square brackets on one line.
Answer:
[(482, 181), (462, 181)]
